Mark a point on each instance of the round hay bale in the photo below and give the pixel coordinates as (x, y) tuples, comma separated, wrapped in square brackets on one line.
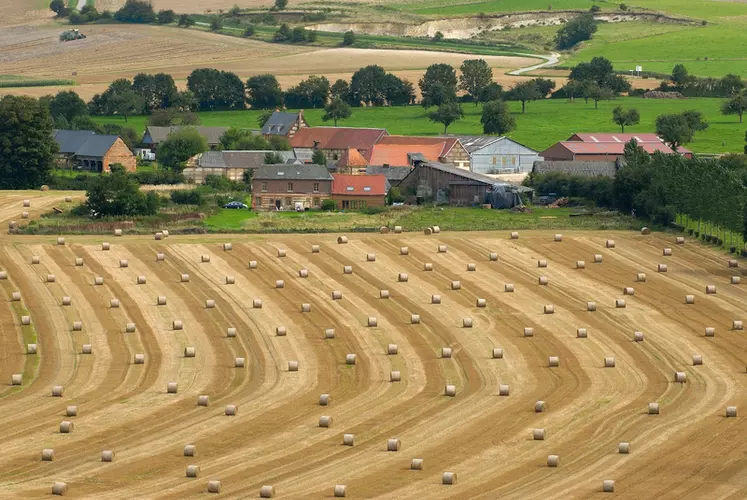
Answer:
[(61, 241), (542, 263), (370, 257), (66, 427), (620, 303), (580, 264), (124, 263), (189, 352), (667, 252), (107, 456), (16, 379), (456, 285), (47, 455), (105, 247), (383, 294), (710, 331), (3, 275), (231, 410), (416, 464), (24, 215), (503, 390), (428, 231), (442, 248), (680, 240), (129, 327), (628, 291), (710, 289), (252, 264), (582, 333), (86, 349), (184, 278), (549, 309), (35, 259), (281, 253), (395, 376), (227, 247), (172, 388), (508, 288), (598, 258), (543, 280), (305, 308), (736, 325), (160, 257), (303, 273), (735, 280), (449, 478), (324, 400), (553, 460), (314, 249), (662, 268), (209, 304), (350, 359), (384, 230), (403, 277), (15, 296), (731, 411), (279, 283), (608, 485), (450, 390), (680, 377), (329, 333), (436, 229), (481, 302), (623, 448), (203, 400), (689, 299), (158, 236), (336, 295), (645, 230), (239, 362), (193, 471), (638, 336), (139, 359), (733, 263), (427, 266), (610, 244), (31, 348), (257, 303), (528, 331), (177, 324), (292, 366), (348, 439), (347, 270), (213, 486), (161, 300), (26, 203), (538, 434), (25, 320), (471, 267), (591, 306), (66, 301), (492, 256), (497, 353), (553, 361), (435, 299), (231, 332), (653, 408), (514, 235), (397, 229), (68, 199), (404, 251), (372, 321), (697, 359), (641, 277), (340, 490), (204, 258), (466, 322), (114, 303), (117, 232), (77, 326), (341, 240), (141, 280), (281, 331), (558, 237), (51, 278), (393, 444), (609, 362), (414, 319), (446, 352), (59, 488)]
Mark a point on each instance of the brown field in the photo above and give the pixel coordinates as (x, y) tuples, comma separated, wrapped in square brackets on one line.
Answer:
[(690, 450)]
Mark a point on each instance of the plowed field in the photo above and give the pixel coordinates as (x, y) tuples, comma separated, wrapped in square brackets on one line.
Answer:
[(689, 450)]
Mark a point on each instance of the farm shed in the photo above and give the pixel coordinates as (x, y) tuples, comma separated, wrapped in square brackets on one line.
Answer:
[(580, 168), (284, 124), (154, 136), (404, 151), (498, 155), (359, 191), (605, 147), (86, 150), (230, 164), (283, 187), (335, 141), (393, 174)]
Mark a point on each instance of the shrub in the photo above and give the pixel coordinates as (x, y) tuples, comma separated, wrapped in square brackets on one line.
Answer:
[(187, 197), (349, 38), (329, 205), (136, 11), (596, 189)]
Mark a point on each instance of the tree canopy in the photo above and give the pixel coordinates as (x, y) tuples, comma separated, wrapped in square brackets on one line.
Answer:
[(337, 109), (119, 194), (475, 77), (576, 30), (179, 147), (216, 90), (447, 113), (525, 92), (496, 118), (438, 85), (67, 104), (264, 92), (136, 11), (625, 117)]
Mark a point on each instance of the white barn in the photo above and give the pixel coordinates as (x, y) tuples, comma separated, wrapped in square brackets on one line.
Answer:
[(498, 155)]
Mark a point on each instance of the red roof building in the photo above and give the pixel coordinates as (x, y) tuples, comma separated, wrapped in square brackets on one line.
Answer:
[(605, 147), (352, 162), (355, 192), (334, 141), (403, 151)]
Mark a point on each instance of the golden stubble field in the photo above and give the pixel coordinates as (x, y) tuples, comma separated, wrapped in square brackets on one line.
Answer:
[(689, 450)]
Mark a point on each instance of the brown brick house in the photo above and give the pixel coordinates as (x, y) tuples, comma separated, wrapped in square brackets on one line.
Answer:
[(284, 187), (355, 192), (86, 150)]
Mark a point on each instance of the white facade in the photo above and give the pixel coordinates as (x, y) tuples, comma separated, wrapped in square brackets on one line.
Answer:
[(503, 156)]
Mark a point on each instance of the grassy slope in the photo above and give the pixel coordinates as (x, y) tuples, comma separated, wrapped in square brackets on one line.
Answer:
[(442, 8), (544, 123)]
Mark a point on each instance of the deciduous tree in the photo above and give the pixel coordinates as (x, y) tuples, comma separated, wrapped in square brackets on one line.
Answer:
[(264, 92), (337, 109), (179, 147), (476, 76), (68, 105), (674, 129), (447, 113), (496, 118), (438, 85), (525, 92), (625, 117), (737, 105)]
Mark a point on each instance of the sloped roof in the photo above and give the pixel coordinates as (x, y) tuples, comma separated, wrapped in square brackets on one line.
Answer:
[(582, 168), (280, 123), (293, 172), (397, 154), (448, 142), (622, 138), (352, 158), (159, 134), (239, 159), (393, 174), (97, 145), (337, 137), (611, 148), (70, 141), (359, 185), (474, 143), (466, 174)]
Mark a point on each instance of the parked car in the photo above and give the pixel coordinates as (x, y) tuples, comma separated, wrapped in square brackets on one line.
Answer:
[(235, 204)]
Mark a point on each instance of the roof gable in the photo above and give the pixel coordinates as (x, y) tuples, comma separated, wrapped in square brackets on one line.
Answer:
[(504, 145), (280, 123), (70, 141), (97, 145), (293, 172), (352, 158), (337, 137)]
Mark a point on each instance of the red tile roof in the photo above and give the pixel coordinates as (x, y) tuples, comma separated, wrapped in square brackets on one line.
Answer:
[(611, 148), (395, 155), (352, 158), (615, 138), (404, 140), (359, 185), (337, 137)]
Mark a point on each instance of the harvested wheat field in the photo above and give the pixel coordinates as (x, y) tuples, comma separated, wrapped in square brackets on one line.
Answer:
[(190, 373)]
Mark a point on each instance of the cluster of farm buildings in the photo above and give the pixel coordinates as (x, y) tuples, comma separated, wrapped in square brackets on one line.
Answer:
[(363, 164)]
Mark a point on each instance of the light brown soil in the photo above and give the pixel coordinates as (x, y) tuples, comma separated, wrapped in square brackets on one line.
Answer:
[(688, 450)]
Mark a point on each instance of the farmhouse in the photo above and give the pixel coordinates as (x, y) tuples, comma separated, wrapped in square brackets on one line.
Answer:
[(336, 141), (154, 136), (284, 187), (605, 147), (580, 168), (498, 155), (283, 124), (86, 150), (230, 164), (351, 162), (404, 151), (359, 191)]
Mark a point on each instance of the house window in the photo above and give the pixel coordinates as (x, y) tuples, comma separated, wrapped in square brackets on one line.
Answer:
[(335, 157), (264, 187), (362, 204), (355, 205), (503, 161), (495, 160), (367, 188), (345, 204), (349, 188), (258, 202), (513, 161), (316, 187), (290, 187), (316, 201), (288, 202)]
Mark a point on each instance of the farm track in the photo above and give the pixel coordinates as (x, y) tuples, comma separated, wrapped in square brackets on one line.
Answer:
[(689, 450)]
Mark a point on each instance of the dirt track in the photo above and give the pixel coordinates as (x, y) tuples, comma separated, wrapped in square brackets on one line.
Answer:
[(689, 450)]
